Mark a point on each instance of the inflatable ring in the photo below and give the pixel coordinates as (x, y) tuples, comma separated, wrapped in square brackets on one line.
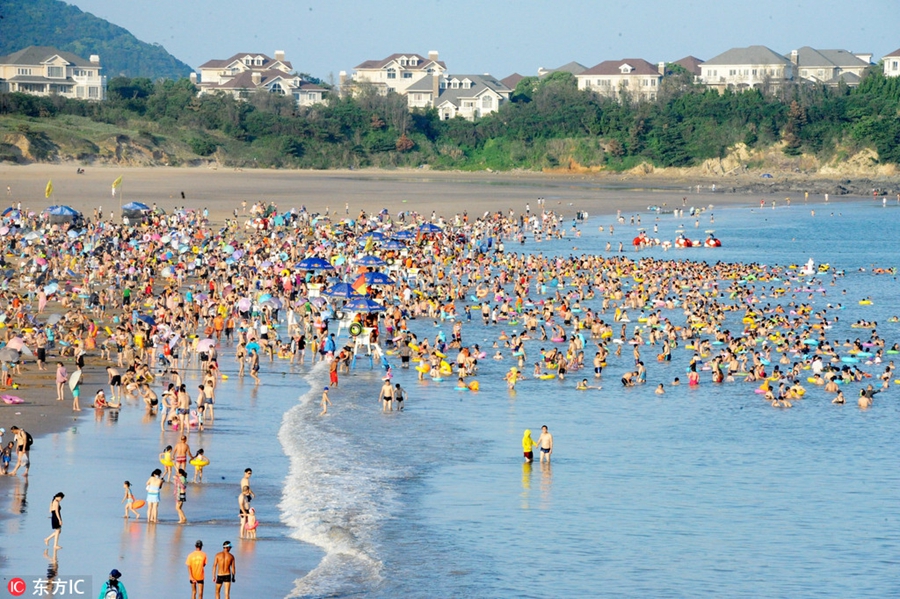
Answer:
[(166, 463), (473, 386), (355, 329), (199, 462), (138, 504), (547, 377)]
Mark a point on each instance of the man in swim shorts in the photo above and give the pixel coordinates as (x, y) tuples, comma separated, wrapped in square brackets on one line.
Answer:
[(545, 442), (182, 453), (224, 570)]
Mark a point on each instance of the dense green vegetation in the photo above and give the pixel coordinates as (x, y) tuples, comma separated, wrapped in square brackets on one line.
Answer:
[(55, 23), (549, 123)]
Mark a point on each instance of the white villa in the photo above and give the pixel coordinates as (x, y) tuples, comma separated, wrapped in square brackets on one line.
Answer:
[(396, 73), (743, 68), (467, 96), (634, 77), (830, 67), (892, 64), (46, 71), (245, 73)]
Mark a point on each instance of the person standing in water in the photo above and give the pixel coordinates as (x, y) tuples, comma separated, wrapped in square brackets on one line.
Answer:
[(545, 442), (224, 570), (325, 402), (55, 520), (528, 445)]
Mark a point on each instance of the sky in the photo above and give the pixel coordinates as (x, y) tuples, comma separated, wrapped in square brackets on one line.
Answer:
[(324, 37)]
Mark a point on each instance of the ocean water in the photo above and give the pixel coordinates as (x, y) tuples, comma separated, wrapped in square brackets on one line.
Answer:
[(700, 492)]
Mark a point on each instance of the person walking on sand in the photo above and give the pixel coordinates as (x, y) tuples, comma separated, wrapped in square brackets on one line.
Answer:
[(545, 442), (196, 565), (113, 588), (528, 445), (224, 570), (61, 377), (325, 402), (55, 520)]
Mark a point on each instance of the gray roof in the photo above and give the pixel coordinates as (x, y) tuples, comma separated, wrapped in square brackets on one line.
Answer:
[(749, 55), (850, 79), (35, 55), (480, 83), (576, 68), (812, 58)]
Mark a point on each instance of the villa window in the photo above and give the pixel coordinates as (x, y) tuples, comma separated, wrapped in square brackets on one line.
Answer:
[(392, 73), (93, 92), (407, 75), (24, 71), (487, 102), (57, 72), (277, 89)]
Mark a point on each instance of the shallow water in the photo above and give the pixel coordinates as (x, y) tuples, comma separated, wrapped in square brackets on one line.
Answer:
[(700, 492)]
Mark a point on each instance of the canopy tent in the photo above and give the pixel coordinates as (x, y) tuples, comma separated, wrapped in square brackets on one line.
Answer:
[(62, 215), (136, 211)]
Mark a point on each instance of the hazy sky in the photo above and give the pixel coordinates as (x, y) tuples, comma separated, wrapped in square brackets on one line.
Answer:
[(324, 37)]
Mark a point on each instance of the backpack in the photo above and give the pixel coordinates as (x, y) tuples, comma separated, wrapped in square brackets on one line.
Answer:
[(29, 440), (113, 592)]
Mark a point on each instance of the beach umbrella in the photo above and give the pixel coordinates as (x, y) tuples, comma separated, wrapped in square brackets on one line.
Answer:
[(62, 211), (147, 320), (340, 290), (373, 235), (429, 228), (32, 236), (363, 304), (392, 244), (53, 319), (205, 344), (253, 345), (313, 263), (136, 206), (9, 355), (369, 260), (244, 304), (378, 278), (404, 235), (16, 343)]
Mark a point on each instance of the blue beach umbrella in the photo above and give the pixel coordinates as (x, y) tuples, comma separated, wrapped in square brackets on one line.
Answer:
[(340, 290), (405, 235), (363, 304), (313, 263), (61, 211), (392, 244), (147, 319), (429, 228), (369, 260), (373, 235), (377, 278)]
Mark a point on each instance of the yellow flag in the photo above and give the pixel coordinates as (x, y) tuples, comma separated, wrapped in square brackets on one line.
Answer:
[(117, 182), (370, 244), (49, 189)]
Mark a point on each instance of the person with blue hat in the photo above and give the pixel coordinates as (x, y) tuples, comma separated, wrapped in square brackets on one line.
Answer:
[(113, 589)]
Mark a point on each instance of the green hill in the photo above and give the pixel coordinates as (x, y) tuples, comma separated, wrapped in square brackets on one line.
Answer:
[(55, 23)]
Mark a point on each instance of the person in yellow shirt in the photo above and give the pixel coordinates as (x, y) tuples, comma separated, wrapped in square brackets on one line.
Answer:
[(528, 445), (196, 565)]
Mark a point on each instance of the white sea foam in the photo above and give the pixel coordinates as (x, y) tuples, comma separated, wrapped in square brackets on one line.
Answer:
[(334, 497)]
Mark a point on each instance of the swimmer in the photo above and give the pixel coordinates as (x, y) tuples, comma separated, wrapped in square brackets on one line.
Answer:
[(660, 389), (545, 442)]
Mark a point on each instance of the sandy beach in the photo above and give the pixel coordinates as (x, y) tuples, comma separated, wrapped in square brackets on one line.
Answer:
[(223, 190)]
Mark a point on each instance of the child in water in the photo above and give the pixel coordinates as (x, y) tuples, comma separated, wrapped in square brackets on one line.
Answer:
[(201, 462), (165, 458), (251, 525), (128, 500), (5, 458)]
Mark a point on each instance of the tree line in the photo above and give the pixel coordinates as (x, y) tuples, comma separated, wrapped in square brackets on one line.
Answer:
[(548, 123)]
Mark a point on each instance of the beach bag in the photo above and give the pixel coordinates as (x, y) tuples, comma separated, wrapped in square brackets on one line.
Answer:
[(29, 440), (113, 592)]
